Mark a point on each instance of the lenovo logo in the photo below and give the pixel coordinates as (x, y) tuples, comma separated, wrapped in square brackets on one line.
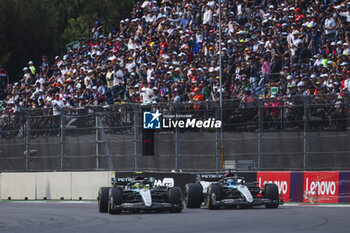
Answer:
[(321, 188)]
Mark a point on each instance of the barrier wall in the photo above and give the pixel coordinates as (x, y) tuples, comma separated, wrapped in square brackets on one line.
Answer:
[(54, 185), (86, 184), (18, 186), (307, 187)]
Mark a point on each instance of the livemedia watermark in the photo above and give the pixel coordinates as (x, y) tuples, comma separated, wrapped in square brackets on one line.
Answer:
[(155, 120)]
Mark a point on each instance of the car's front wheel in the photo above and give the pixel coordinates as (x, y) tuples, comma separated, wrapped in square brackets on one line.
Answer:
[(115, 197), (193, 195), (216, 190), (175, 198), (271, 192), (103, 199)]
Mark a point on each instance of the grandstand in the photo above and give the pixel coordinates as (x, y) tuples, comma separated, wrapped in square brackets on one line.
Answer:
[(168, 50)]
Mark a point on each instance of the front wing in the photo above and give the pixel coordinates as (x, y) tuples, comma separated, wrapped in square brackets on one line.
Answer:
[(242, 201), (142, 206)]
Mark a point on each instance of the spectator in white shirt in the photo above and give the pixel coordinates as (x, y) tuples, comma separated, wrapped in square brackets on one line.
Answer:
[(208, 16), (330, 26), (146, 94)]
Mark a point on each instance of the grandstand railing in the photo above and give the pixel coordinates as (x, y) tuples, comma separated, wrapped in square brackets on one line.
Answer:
[(299, 133)]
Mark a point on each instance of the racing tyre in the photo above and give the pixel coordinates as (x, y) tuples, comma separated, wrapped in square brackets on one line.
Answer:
[(115, 197), (103, 199), (271, 192), (193, 195), (175, 197), (214, 189)]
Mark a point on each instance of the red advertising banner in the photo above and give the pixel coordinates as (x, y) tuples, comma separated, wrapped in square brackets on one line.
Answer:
[(321, 187), (282, 179)]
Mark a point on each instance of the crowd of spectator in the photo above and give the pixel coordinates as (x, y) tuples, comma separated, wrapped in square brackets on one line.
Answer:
[(168, 51)]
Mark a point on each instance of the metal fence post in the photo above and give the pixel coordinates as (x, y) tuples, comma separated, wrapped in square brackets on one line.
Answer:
[(305, 134), (63, 139), (97, 154), (136, 136), (260, 135), (28, 140), (176, 132), (217, 140)]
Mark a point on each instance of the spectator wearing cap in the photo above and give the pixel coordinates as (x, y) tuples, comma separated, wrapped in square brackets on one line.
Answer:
[(31, 67), (94, 95), (27, 74)]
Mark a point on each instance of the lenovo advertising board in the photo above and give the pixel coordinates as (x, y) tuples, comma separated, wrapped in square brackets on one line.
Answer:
[(321, 187)]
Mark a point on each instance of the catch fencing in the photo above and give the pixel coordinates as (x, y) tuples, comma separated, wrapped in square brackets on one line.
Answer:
[(299, 133)]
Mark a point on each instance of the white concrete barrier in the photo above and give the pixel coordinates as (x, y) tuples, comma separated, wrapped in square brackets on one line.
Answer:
[(54, 185), (85, 185), (18, 186)]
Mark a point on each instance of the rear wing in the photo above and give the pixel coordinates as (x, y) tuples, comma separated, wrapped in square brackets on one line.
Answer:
[(216, 177), (210, 177), (121, 181)]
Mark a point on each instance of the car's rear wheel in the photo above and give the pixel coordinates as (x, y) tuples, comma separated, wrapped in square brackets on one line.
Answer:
[(175, 198), (103, 199), (193, 195), (271, 192), (217, 190), (115, 197)]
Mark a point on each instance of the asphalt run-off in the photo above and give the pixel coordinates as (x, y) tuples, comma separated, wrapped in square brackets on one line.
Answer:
[(57, 217)]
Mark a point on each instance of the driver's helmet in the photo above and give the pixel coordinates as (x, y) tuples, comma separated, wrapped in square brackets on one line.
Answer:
[(138, 185), (139, 178), (231, 182)]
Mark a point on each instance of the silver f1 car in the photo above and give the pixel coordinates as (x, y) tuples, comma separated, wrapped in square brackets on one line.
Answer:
[(229, 191), (138, 193)]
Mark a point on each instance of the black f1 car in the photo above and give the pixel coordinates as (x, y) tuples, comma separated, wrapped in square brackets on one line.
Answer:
[(138, 193), (229, 191)]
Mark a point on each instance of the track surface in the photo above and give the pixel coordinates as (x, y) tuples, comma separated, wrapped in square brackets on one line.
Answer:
[(84, 217)]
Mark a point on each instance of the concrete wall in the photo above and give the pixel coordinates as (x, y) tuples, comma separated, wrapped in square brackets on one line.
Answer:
[(86, 184), (18, 186), (55, 185), (52, 185)]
